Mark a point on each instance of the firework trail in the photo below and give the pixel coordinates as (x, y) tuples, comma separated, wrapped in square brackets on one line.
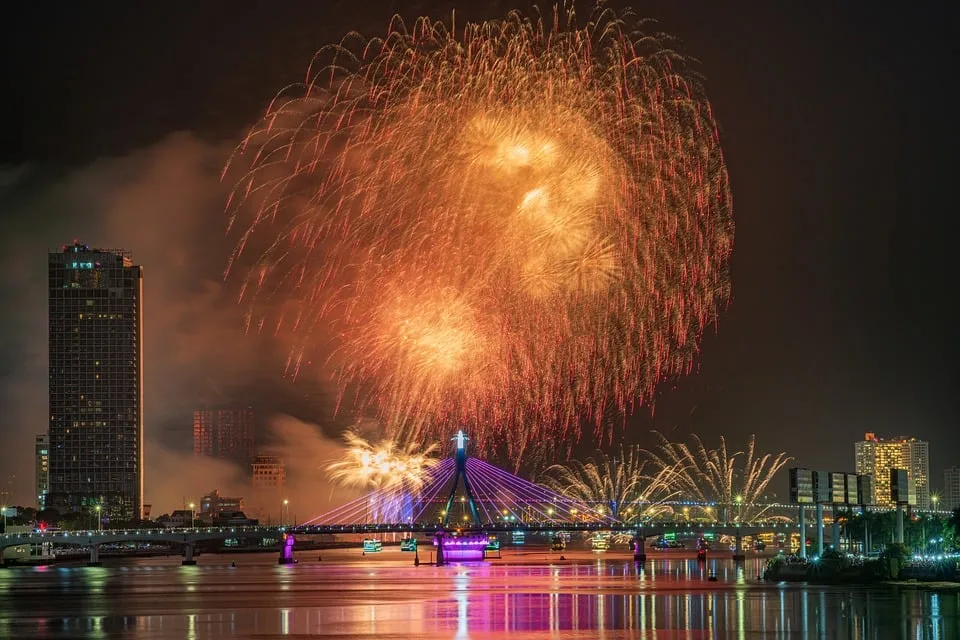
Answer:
[(517, 227), (735, 482), (617, 486)]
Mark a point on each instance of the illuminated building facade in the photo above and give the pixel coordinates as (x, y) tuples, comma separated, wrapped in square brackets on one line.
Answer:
[(41, 451), (95, 381), (876, 457), (224, 433)]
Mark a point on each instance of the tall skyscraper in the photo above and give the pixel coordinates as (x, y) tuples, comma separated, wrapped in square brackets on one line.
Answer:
[(875, 457), (41, 452), (96, 381), (951, 489), (224, 433)]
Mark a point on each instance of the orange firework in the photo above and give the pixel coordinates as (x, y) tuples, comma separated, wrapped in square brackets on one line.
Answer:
[(516, 228)]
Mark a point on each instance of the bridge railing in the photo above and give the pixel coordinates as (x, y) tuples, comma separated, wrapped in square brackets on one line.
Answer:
[(178, 531)]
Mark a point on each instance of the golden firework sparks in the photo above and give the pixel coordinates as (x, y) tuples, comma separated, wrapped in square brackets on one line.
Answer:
[(512, 228)]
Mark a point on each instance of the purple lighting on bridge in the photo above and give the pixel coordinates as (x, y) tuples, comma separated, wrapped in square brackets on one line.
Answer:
[(462, 549), (286, 551)]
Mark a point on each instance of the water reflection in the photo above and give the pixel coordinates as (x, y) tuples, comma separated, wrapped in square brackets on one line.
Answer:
[(672, 598)]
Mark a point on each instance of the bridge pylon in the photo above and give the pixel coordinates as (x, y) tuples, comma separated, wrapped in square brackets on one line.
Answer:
[(639, 552), (460, 454)]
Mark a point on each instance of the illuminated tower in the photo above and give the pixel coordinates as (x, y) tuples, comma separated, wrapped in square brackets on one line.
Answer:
[(95, 381), (461, 474)]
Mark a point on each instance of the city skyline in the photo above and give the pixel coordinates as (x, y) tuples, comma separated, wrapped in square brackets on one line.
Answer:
[(835, 288), (227, 433)]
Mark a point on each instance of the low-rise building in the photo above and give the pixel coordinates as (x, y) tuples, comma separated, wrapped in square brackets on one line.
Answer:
[(213, 504), (178, 519)]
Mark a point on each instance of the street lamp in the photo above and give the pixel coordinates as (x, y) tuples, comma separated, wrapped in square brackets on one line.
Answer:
[(282, 507), (192, 515), (99, 519), (739, 501), (934, 499)]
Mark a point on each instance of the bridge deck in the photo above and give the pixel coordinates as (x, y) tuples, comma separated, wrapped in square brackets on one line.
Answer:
[(198, 534)]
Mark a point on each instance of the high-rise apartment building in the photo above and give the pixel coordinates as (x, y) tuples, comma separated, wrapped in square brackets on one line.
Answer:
[(876, 457), (951, 489), (224, 433), (41, 450), (269, 472), (96, 381)]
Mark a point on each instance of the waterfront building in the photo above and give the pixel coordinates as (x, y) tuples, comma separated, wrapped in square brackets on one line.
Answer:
[(95, 381), (876, 457)]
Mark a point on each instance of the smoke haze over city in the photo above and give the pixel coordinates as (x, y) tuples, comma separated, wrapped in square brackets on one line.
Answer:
[(159, 203)]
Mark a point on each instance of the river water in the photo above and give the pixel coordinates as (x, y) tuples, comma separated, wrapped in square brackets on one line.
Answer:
[(342, 594)]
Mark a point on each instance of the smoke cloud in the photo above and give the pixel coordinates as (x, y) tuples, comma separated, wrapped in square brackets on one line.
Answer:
[(175, 479), (165, 205)]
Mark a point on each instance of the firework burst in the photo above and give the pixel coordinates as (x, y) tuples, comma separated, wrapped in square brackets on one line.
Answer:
[(516, 227), (383, 465), (736, 482), (618, 486)]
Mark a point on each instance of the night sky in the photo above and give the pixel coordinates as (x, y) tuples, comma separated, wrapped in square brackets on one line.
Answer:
[(837, 123)]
